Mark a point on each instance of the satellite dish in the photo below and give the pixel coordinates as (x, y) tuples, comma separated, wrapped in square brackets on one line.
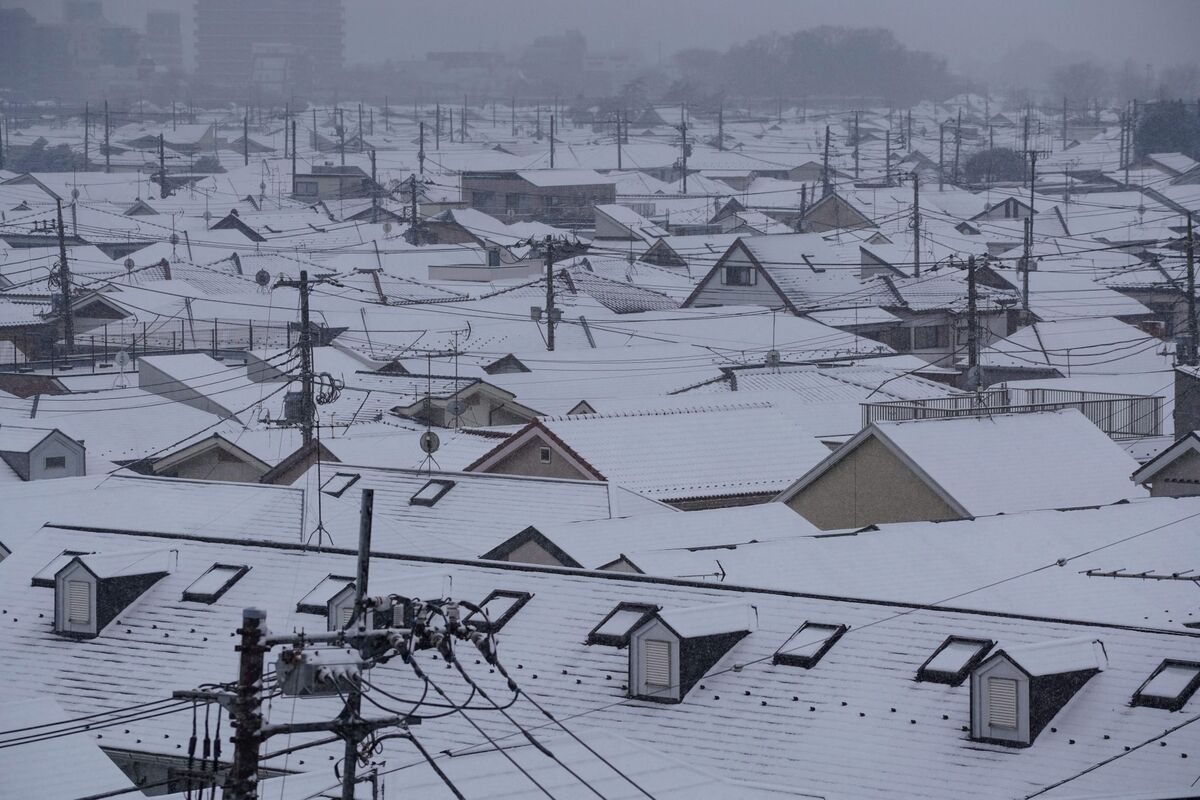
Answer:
[(128, 265), (174, 239), (262, 278), (123, 360), (430, 442), (387, 227), (456, 407)]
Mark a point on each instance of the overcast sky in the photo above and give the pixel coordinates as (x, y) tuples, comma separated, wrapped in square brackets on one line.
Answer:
[(968, 32)]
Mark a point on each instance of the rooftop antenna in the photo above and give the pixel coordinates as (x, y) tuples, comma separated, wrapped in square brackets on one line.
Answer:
[(429, 440)]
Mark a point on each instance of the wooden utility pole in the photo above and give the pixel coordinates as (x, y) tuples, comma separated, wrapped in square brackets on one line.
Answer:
[(414, 222), (942, 156), (916, 179), (973, 381), (162, 169), (107, 151), (353, 707), (307, 406), (887, 157), (64, 285), (1026, 265), (551, 141), (241, 783), (246, 138), (87, 127), (374, 191)]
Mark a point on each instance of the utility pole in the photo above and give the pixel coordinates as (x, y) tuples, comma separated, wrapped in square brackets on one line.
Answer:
[(242, 781), (683, 144), (720, 127), (360, 128), (855, 145), (414, 223), (387, 115), (887, 157), (307, 415), (1026, 265), (916, 179), (1193, 330), (341, 128), (619, 163), (246, 138), (550, 310), (374, 192), (972, 328), (86, 130), (64, 285), (1064, 123), (941, 156), (450, 123), (1025, 134), (293, 156), (162, 169), (353, 709), (513, 117), (551, 141), (957, 144), (107, 158), (825, 166), (421, 149)]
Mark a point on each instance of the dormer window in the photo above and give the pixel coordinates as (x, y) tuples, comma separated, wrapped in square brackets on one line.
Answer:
[(216, 581), (501, 605), (954, 660), (1170, 686), (91, 590), (670, 651), (740, 276), (616, 626), (808, 645), (339, 482), (431, 492)]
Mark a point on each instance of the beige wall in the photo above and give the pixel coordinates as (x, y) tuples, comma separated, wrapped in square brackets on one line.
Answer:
[(717, 293), (833, 215), (533, 553), (868, 486), (1179, 479), (215, 465), (526, 460)]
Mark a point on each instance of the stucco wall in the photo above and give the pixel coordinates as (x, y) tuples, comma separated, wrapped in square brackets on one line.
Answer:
[(1179, 479), (526, 460), (868, 486), (716, 293)]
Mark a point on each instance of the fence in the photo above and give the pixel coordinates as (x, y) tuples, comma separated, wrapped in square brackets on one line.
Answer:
[(1121, 416)]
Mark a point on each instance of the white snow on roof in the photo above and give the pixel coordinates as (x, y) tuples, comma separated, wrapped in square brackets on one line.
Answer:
[(1055, 658)]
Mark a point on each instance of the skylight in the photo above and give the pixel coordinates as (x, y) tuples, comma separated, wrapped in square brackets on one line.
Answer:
[(500, 606), (317, 600), (45, 576), (1170, 686), (217, 580), (953, 660), (339, 482), (431, 492), (615, 628), (808, 645)]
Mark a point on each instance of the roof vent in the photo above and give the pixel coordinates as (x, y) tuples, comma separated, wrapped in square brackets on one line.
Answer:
[(1016, 692), (671, 650)]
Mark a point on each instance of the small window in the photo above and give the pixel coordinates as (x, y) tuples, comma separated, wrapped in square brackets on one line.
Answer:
[(45, 576), (317, 600), (1170, 686), (1002, 703), (339, 483), (56, 462), (544, 455), (217, 580), (656, 663), (500, 606), (79, 602), (740, 276), (616, 626), (928, 337), (954, 660), (430, 493), (808, 645)]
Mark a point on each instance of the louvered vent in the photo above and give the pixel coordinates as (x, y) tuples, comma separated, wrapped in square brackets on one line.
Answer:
[(344, 617), (1002, 702), (657, 657), (79, 602)]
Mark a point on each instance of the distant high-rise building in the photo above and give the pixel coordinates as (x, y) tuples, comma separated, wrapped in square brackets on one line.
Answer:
[(164, 40), (230, 33)]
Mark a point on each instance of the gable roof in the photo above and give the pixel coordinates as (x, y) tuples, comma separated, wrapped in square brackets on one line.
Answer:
[(1002, 463)]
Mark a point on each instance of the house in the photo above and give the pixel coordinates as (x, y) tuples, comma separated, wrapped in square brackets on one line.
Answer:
[(553, 196), (330, 182), (697, 457), (1174, 472), (956, 468), (833, 212), (40, 453)]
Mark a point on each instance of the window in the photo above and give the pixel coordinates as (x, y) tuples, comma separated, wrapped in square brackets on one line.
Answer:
[(656, 663), (740, 276), (45, 576), (954, 660), (1170, 686), (317, 599), (616, 626), (544, 455), (430, 493), (306, 187), (928, 337), (808, 645), (500, 606), (56, 462), (216, 580), (79, 602), (1002, 703), (339, 482)]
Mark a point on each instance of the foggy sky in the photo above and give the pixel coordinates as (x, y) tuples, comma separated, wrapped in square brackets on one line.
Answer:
[(970, 33)]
